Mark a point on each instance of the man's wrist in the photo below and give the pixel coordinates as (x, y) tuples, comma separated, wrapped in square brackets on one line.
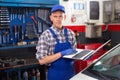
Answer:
[(60, 54)]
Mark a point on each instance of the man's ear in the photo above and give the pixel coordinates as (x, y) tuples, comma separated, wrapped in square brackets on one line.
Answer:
[(50, 17), (64, 17)]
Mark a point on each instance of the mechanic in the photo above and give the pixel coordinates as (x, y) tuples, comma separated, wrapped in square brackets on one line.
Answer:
[(54, 43)]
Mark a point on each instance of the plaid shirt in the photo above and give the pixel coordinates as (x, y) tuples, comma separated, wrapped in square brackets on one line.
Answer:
[(46, 43)]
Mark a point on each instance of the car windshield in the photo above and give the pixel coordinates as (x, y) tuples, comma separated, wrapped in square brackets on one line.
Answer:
[(110, 63)]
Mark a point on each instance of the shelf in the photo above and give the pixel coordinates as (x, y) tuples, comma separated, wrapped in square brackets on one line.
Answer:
[(29, 3), (20, 66), (9, 63), (16, 46)]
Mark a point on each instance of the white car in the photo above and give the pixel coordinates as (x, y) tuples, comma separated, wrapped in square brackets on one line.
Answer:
[(107, 67)]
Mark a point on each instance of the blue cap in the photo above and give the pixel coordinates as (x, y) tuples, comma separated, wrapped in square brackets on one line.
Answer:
[(58, 8)]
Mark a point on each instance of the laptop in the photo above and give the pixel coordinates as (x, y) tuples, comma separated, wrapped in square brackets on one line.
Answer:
[(80, 54), (84, 54)]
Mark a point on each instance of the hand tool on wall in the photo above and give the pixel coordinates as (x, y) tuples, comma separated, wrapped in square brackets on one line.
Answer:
[(16, 30), (1, 40), (35, 23), (5, 33), (30, 29)]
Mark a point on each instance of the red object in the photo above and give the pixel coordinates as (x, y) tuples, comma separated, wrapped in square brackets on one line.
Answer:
[(32, 17), (81, 46), (80, 65), (112, 27), (79, 28), (94, 47)]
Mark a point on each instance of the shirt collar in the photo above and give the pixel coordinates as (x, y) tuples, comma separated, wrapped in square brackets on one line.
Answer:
[(56, 29)]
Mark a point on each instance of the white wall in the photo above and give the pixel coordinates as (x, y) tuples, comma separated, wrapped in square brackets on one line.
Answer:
[(81, 11)]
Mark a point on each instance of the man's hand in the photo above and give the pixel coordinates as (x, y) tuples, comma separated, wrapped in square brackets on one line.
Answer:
[(68, 51)]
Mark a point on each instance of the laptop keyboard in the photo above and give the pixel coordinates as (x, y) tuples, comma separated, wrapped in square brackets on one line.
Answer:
[(81, 54)]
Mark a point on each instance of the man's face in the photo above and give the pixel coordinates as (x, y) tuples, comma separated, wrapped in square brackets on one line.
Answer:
[(57, 18)]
